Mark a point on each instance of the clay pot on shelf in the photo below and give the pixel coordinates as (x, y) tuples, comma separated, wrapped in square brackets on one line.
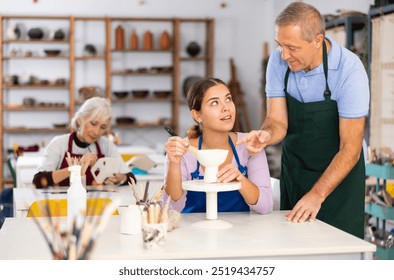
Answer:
[(36, 33), (165, 41), (134, 40), (59, 35), (29, 101), (119, 38), (11, 80), (90, 49), (193, 49), (87, 92), (14, 32), (148, 40)]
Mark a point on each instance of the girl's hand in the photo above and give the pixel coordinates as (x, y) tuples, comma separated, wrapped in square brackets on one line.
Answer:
[(175, 148), (229, 173)]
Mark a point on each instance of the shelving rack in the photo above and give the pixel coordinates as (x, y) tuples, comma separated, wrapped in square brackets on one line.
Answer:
[(351, 24), (380, 212), (74, 59)]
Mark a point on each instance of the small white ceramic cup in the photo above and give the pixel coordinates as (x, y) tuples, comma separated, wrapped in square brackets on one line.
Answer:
[(130, 219)]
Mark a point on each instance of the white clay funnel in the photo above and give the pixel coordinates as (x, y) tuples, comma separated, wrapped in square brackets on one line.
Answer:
[(211, 159)]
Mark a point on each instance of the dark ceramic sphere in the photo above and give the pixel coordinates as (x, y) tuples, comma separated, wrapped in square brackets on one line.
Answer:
[(193, 49), (59, 35), (90, 49), (36, 33)]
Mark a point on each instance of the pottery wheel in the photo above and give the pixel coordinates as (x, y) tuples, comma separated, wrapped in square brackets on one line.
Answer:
[(211, 189), (201, 186)]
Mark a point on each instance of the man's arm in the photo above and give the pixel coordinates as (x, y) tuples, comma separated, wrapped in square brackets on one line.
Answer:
[(276, 121), (351, 132)]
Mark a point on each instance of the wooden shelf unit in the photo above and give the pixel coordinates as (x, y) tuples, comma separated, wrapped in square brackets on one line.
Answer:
[(74, 58)]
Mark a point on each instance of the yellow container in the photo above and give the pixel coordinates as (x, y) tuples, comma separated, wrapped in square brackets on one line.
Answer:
[(390, 187), (127, 157)]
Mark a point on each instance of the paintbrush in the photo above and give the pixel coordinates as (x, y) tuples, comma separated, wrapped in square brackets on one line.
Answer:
[(101, 223), (145, 198), (44, 233), (158, 194), (133, 188), (192, 149), (164, 211)]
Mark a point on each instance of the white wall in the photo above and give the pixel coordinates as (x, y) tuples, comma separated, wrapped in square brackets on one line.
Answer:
[(241, 28)]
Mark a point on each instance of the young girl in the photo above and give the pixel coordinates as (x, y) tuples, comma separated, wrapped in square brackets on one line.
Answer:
[(212, 108)]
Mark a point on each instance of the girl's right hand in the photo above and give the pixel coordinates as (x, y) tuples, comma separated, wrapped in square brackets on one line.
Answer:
[(175, 148)]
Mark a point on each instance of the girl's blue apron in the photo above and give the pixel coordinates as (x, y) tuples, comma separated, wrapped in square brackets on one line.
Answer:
[(231, 201)]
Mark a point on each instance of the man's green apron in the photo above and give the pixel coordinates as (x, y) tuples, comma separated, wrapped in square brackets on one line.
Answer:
[(311, 143)]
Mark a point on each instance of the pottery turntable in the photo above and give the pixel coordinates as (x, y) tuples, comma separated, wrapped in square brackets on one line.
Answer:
[(211, 159)]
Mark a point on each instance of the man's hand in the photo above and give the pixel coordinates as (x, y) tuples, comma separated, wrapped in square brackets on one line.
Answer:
[(306, 208), (256, 141)]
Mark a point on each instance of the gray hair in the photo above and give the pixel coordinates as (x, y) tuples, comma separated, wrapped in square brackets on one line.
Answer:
[(305, 16), (95, 107)]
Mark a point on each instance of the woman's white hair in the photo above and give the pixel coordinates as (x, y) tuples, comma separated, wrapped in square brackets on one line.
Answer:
[(94, 108)]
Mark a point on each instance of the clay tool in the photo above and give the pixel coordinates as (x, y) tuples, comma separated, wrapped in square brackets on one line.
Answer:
[(192, 149)]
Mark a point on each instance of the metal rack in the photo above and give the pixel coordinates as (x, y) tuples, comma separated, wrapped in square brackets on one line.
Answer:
[(381, 212)]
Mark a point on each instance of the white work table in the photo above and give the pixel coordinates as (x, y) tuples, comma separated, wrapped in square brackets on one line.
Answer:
[(252, 236), (26, 166), (24, 197)]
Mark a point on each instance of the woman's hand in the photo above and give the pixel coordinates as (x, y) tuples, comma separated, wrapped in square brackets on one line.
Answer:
[(86, 161), (89, 159), (175, 148), (229, 173), (117, 179)]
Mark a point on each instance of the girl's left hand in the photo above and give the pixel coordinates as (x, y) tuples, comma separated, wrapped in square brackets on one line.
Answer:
[(229, 173)]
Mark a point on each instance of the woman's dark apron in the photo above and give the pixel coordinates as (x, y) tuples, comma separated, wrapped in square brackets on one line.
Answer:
[(89, 176), (231, 201), (311, 143)]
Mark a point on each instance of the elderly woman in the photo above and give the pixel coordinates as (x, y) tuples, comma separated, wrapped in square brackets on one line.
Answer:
[(86, 142)]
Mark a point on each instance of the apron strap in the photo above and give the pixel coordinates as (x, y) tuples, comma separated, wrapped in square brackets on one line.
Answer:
[(286, 79), (196, 173), (327, 92), (243, 169)]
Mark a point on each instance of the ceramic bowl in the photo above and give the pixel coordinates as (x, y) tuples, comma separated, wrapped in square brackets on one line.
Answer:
[(52, 52), (140, 93), (125, 120), (211, 159), (121, 94), (162, 93)]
